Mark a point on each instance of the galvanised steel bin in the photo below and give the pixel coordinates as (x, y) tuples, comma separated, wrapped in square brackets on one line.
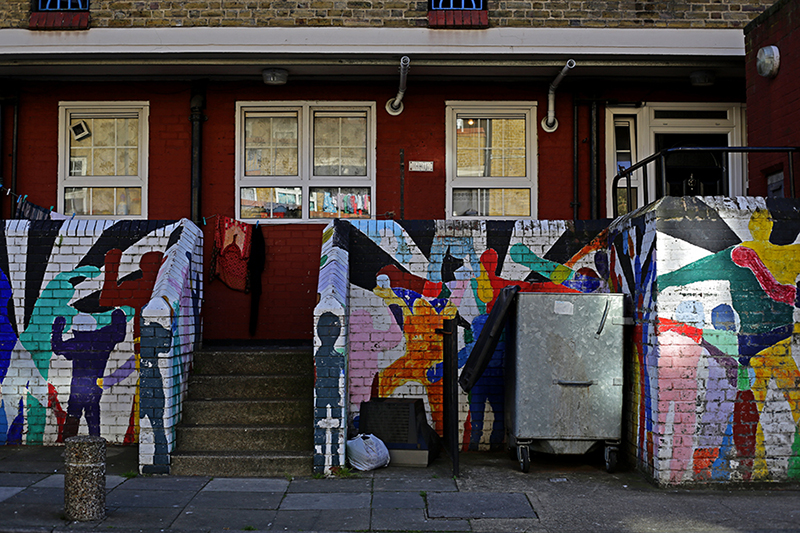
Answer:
[(563, 374)]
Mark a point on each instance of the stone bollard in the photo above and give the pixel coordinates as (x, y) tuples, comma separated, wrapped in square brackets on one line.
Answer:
[(85, 478)]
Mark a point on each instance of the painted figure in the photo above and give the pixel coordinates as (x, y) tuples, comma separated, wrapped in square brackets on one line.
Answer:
[(89, 350)]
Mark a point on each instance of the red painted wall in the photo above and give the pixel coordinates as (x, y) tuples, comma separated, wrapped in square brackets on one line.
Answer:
[(293, 250), (773, 104)]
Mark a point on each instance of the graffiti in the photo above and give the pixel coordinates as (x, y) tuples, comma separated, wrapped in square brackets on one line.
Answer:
[(78, 294), (714, 375), (406, 277)]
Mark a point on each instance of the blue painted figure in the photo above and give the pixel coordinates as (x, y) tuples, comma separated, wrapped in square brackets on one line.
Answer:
[(156, 339), (89, 350)]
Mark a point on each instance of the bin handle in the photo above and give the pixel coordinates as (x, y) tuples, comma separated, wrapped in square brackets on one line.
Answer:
[(565, 383), (603, 320)]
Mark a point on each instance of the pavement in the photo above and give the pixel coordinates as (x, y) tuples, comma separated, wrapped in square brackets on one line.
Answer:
[(558, 494)]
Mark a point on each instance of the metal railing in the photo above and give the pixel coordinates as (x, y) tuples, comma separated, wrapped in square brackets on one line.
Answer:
[(661, 160)]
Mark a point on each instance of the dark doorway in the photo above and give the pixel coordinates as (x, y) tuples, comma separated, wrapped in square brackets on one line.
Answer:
[(693, 173)]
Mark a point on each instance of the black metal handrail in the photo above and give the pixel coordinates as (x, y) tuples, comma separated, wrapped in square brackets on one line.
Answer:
[(661, 156)]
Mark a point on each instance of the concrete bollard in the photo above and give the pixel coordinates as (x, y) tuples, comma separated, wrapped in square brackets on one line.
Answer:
[(85, 478)]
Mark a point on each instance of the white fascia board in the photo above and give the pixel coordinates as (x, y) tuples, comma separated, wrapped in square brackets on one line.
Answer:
[(377, 41)]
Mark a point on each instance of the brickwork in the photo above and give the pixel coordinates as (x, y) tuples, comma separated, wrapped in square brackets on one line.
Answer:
[(713, 378), (404, 278), (404, 14), (773, 104), (78, 354)]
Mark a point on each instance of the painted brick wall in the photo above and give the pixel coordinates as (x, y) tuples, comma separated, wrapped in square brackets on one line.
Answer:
[(100, 331), (388, 286), (773, 104), (714, 375), (403, 13)]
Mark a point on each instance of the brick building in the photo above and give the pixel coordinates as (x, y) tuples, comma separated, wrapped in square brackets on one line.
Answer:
[(290, 114)]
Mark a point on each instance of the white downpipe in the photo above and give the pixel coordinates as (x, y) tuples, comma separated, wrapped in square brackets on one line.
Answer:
[(550, 122), (395, 105)]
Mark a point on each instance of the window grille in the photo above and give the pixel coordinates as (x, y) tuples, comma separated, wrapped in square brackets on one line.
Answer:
[(63, 5)]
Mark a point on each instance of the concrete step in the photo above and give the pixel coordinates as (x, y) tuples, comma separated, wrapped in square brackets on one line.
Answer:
[(253, 362), (251, 387), (248, 412), (229, 464), (244, 438)]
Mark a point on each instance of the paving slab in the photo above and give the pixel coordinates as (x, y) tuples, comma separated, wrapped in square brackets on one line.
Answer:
[(332, 501), (139, 517), (507, 525), (479, 505), (322, 520), (44, 496), (19, 480), (359, 484), (7, 492), (247, 485), (220, 520), (413, 481), (413, 520), (54, 481), (149, 498), (235, 500), (165, 483), (30, 515), (398, 500)]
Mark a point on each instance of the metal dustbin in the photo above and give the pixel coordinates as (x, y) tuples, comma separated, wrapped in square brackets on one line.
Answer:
[(563, 374)]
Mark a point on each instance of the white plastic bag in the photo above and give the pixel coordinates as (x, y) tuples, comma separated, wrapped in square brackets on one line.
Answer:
[(367, 452)]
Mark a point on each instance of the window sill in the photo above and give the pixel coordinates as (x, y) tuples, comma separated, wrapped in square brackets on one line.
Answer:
[(458, 19), (59, 20)]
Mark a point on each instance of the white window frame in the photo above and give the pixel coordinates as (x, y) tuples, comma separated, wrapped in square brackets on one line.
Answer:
[(103, 109), (305, 178), (647, 127), (491, 109)]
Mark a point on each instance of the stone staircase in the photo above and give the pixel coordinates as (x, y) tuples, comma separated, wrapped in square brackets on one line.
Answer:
[(247, 413)]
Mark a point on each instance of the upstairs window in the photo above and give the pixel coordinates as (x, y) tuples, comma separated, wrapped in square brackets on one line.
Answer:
[(463, 14), (59, 15), (62, 5), (305, 160)]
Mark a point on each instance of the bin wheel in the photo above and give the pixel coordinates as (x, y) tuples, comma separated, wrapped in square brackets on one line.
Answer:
[(611, 459), (523, 454)]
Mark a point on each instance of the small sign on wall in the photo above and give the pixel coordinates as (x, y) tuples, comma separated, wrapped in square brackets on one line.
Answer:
[(420, 166)]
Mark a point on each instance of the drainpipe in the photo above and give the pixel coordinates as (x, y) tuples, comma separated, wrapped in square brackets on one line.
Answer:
[(395, 105), (197, 104), (594, 203), (550, 123), (576, 198)]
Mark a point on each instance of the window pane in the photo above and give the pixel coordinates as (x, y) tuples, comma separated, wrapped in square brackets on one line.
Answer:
[(340, 145), (492, 202), (104, 146), (490, 147), (271, 202), (118, 201), (271, 144), (339, 202)]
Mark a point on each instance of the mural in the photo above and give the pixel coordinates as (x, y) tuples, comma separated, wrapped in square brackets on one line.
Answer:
[(74, 353), (713, 379), (715, 373), (405, 278)]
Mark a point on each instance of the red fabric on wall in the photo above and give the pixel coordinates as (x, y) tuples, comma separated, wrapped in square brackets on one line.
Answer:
[(232, 241)]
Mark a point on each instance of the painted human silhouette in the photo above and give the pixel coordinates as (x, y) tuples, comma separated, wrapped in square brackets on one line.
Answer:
[(159, 339), (89, 350)]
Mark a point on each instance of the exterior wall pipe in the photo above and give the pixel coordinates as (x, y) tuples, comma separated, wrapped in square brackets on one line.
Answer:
[(594, 200), (550, 123), (395, 105), (576, 204), (197, 103)]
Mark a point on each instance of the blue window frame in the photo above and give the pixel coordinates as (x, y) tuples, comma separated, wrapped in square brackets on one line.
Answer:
[(62, 5), (461, 5)]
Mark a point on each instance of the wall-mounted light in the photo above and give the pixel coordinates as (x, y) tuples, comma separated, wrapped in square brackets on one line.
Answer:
[(702, 78), (768, 61), (275, 76)]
